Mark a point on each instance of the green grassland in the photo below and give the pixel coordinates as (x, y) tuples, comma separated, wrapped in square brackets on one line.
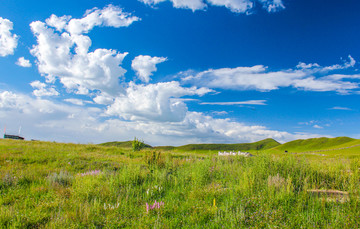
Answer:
[(55, 185)]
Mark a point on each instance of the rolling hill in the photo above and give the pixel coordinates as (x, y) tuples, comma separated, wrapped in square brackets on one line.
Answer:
[(260, 145), (126, 144), (270, 145), (315, 144)]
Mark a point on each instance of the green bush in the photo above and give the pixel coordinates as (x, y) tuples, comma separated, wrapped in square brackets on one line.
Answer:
[(137, 144)]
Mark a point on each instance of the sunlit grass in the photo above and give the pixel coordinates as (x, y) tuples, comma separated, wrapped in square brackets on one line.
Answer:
[(53, 185)]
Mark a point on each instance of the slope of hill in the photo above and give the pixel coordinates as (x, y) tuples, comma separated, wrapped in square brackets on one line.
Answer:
[(126, 144), (314, 144), (260, 145)]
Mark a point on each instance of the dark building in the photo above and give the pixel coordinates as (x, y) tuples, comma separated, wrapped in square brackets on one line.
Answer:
[(8, 136)]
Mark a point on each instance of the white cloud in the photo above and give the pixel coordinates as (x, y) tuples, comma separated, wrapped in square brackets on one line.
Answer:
[(219, 112), (156, 102), (59, 23), (249, 102), (351, 62), (237, 6), (63, 52), (43, 90), (318, 127), (314, 67), (272, 5), (308, 123), (23, 62), (78, 102), (259, 78), (104, 99), (8, 100), (186, 4), (244, 78), (145, 66), (206, 128), (341, 77), (110, 16), (313, 84), (189, 4), (26, 105), (46, 120), (8, 41), (302, 65), (152, 2), (341, 108)]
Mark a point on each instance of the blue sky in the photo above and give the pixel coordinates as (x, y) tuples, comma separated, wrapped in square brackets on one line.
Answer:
[(173, 72)]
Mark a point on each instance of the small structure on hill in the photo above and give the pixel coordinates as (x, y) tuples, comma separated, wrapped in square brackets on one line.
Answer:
[(15, 137)]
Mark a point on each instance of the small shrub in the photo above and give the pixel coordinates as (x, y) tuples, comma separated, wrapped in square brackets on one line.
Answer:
[(63, 178), (137, 145), (8, 180)]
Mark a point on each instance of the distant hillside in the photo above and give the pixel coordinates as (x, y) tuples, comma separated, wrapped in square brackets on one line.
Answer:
[(166, 148), (317, 144), (260, 145), (127, 144)]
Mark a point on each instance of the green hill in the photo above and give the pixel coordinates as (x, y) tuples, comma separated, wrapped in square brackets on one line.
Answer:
[(260, 145), (165, 148), (314, 144), (126, 144)]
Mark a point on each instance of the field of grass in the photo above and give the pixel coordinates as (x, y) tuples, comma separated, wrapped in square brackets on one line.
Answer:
[(53, 185)]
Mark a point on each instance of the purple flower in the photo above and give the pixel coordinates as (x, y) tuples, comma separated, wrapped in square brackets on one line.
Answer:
[(156, 205), (90, 173)]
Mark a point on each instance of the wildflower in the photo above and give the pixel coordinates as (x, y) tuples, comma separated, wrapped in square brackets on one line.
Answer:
[(90, 173), (156, 205), (111, 207), (154, 190), (147, 208)]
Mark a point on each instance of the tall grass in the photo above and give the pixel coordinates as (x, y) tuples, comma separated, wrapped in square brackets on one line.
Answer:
[(49, 185)]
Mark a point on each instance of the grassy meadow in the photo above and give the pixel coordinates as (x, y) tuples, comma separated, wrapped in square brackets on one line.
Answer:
[(54, 185)]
